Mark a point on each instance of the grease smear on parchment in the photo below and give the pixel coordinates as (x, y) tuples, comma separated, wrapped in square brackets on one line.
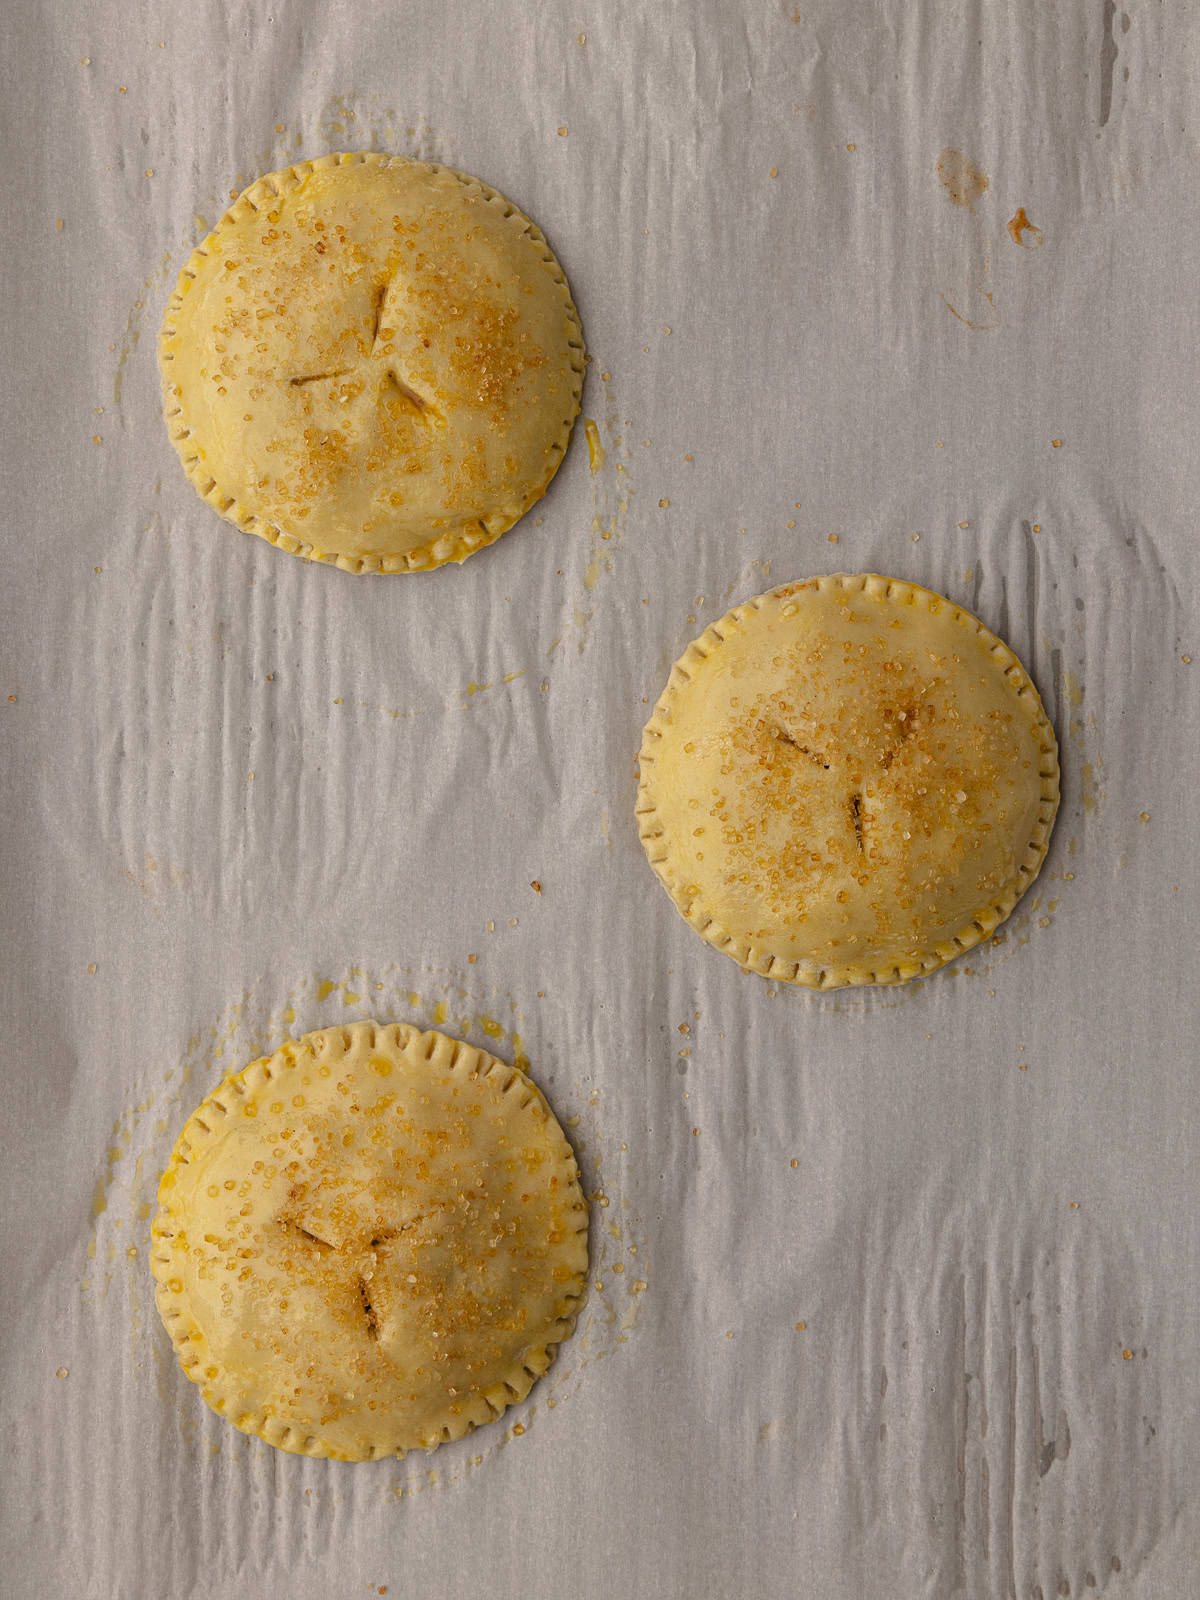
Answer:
[(607, 443), (115, 1278), (468, 695), (967, 186), (1082, 733)]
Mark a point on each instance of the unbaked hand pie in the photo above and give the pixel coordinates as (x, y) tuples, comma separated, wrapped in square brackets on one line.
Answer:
[(371, 1241), (847, 781), (372, 361)]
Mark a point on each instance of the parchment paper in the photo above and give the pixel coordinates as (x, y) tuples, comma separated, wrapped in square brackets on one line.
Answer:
[(894, 1292)]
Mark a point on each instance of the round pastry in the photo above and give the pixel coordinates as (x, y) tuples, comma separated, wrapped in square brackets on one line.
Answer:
[(371, 1241), (372, 361), (847, 781)]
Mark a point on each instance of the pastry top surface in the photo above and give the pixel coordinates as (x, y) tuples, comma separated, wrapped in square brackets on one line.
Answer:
[(372, 361), (847, 780), (369, 1242)]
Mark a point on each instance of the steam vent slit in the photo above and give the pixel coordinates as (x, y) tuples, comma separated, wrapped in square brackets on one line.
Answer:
[(368, 1308)]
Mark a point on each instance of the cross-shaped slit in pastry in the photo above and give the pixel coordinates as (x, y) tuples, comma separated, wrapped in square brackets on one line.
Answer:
[(318, 377), (393, 382), (817, 760)]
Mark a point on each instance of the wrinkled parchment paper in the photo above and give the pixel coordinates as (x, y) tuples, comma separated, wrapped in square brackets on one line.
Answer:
[(894, 1292)]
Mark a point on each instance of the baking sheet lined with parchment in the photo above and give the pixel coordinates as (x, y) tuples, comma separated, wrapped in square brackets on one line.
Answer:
[(893, 1292)]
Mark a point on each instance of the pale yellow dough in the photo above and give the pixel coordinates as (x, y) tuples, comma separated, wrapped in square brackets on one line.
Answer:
[(369, 1242), (372, 361), (847, 781)]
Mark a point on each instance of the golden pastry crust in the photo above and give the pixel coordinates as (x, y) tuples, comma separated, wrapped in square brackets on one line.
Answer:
[(369, 1242), (373, 362), (847, 781)]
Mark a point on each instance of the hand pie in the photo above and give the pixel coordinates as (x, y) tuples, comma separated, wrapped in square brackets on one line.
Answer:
[(847, 781), (371, 1241), (372, 361)]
